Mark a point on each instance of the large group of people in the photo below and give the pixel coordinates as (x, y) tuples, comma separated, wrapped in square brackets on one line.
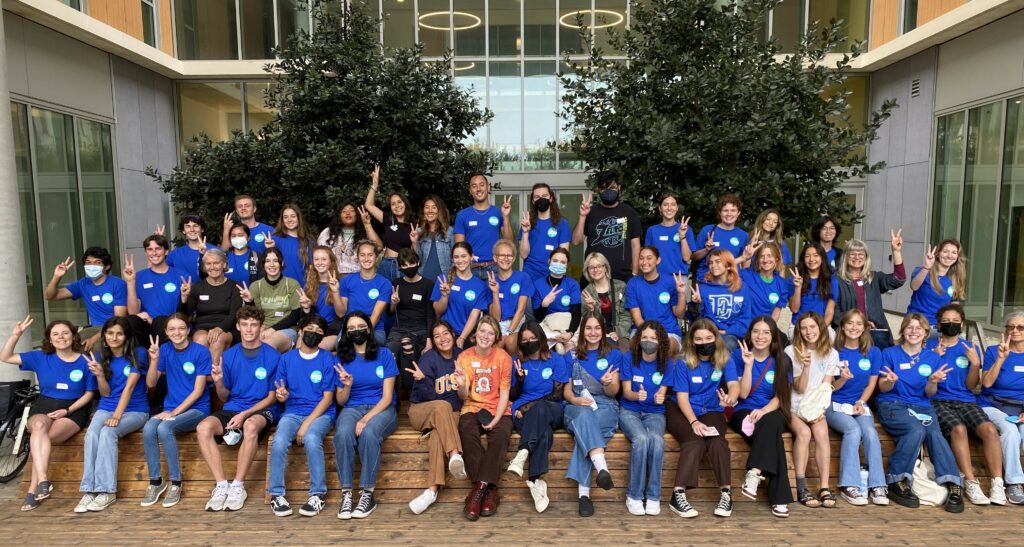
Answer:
[(280, 332)]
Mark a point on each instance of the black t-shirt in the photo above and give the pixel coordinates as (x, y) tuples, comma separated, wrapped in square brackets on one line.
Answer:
[(394, 234), (609, 231), (415, 310)]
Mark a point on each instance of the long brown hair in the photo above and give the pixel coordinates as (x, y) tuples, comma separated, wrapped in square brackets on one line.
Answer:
[(556, 210), (663, 346), (777, 235), (603, 347), (303, 232), (444, 219), (721, 356), (957, 273), (864, 343), (313, 277), (822, 345), (783, 389), (76, 339)]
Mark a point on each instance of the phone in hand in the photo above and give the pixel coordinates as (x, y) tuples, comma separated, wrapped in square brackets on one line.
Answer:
[(485, 417)]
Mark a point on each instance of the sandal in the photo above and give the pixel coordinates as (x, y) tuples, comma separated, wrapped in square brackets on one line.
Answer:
[(828, 499), (30, 502), (43, 490), (805, 497)]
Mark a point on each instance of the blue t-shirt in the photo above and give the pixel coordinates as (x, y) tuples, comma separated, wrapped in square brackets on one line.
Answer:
[(466, 295), (182, 368), (363, 295), (666, 239), (863, 367), (1009, 383), (324, 308), (763, 297), (729, 310), (540, 376), (543, 238), (765, 391), (293, 265), (307, 380), (954, 388), (159, 293), (645, 373), (564, 300), (701, 384), (238, 267), (120, 370), (733, 240), (249, 379), (830, 258), (511, 290), (812, 301), (655, 299), (925, 300), (596, 365), (482, 230), (258, 237), (368, 378), (101, 299), (787, 257), (186, 259), (59, 379), (913, 372)]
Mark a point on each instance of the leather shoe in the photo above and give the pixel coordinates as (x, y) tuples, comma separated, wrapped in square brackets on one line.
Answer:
[(490, 504), (474, 500)]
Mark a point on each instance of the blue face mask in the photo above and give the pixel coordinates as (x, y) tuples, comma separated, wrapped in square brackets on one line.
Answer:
[(557, 268), (93, 271)]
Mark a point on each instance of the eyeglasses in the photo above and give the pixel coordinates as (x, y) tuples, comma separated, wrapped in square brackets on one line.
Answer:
[(595, 268), (505, 256), (1011, 328)]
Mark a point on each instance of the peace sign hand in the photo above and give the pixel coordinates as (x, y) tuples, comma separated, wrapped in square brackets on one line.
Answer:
[(459, 378), (971, 351), (375, 177), (268, 240), (243, 291), (364, 215), (684, 226), (608, 377), (394, 296), (524, 224), (304, 301), (751, 248), (797, 280), (62, 268), (414, 237), (186, 287), (710, 242), (804, 356), (940, 375), (888, 375), (724, 399), (1003, 349), (929, 257), (154, 348), (202, 245), (506, 207), (896, 239), (280, 391), (444, 286), (748, 356), (95, 368), (159, 230), (550, 297), (332, 281), (417, 374), (343, 375), (518, 366), (21, 326), (695, 297), (588, 301), (128, 272), (492, 283), (680, 280), (585, 205), (216, 372)]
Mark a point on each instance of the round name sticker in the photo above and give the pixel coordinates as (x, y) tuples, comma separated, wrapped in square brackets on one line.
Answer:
[(380, 371), (924, 370), (316, 376), (949, 291), (716, 375), (675, 238), (552, 232), (261, 373), (566, 300), (127, 370), (864, 364), (471, 295), (961, 361), (259, 238), (602, 364), (770, 377), (107, 298), (546, 373), (373, 294), (188, 367), (656, 378), (773, 297), (663, 297), (170, 287), (76, 375), (734, 241), (515, 288), (493, 221)]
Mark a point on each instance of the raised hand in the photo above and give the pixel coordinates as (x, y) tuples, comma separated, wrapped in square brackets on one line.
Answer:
[(752, 247), (695, 297), (216, 372), (159, 230), (444, 286), (459, 378), (709, 243), (492, 283), (518, 366), (375, 178), (684, 226), (940, 375), (280, 391), (202, 245), (804, 356), (417, 374), (21, 326), (929, 257), (1003, 349), (589, 301), (748, 356), (896, 240), (680, 280), (244, 292), (610, 376), (844, 370), (524, 224), (128, 272), (95, 368), (506, 206), (659, 397), (343, 374), (888, 375), (364, 215), (62, 268), (971, 352), (304, 301), (550, 297), (797, 280), (186, 287), (332, 281), (394, 295), (268, 240), (154, 348), (414, 237), (724, 399), (228, 222), (585, 205)]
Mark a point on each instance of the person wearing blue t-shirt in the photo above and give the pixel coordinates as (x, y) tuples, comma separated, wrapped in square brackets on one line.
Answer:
[(940, 279), (724, 298), (542, 231), (538, 378), (673, 238), (152, 294), (459, 297), (592, 412), (366, 391), (814, 285), (245, 214), (244, 380), (696, 418), (724, 235), (295, 239), (557, 300), (321, 294), (118, 366), (367, 291), (909, 377), (104, 295), (305, 384), (654, 296), (825, 233), (511, 293), (646, 375), (769, 229), (186, 365), (482, 224), (66, 390), (1002, 390), (243, 260), (849, 414), (957, 406), (186, 258), (768, 290), (762, 411)]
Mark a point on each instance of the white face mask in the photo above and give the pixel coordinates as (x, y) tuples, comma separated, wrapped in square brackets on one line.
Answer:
[(93, 271), (239, 242)]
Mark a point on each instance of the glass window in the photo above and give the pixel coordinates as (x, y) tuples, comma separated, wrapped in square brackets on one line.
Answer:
[(96, 160), (539, 91), (257, 18), (149, 25), (468, 23), (505, 101), (399, 23), (981, 186), (567, 158), (540, 22), (472, 76), (1009, 271), (211, 108), (855, 15), (788, 24), (292, 18), (909, 15), (435, 22), (570, 204), (609, 18), (505, 38), (256, 112), (949, 170), (206, 29), (77, 4), (570, 14), (30, 228)]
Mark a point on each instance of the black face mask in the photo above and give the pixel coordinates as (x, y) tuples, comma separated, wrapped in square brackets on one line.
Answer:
[(950, 329), (609, 196), (410, 272), (531, 347), (312, 339), (706, 349), (543, 204), (359, 336)]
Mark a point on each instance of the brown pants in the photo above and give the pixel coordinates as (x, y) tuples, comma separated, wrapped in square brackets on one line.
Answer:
[(484, 465), (439, 417), (692, 447)]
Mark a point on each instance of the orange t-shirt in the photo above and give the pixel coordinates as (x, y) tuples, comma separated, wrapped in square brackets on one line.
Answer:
[(487, 376)]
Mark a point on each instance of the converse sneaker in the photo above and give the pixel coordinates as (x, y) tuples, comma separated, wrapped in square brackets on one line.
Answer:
[(236, 497), (516, 465), (853, 495), (635, 507), (539, 492), (879, 495), (83, 504), (423, 501), (974, 493), (313, 506), (457, 466), (750, 483), (280, 507), (680, 506), (153, 492), (724, 507), (997, 492), (365, 506), (102, 501), (219, 497), (345, 510)]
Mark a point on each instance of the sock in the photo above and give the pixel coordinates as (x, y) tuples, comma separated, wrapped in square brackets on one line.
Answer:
[(584, 491), (237, 483), (176, 483), (155, 482), (223, 484), (726, 489), (801, 483), (599, 463), (533, 478)]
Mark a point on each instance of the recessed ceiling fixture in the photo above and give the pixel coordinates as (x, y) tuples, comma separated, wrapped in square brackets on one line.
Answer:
[(468, 20), (614, 18)]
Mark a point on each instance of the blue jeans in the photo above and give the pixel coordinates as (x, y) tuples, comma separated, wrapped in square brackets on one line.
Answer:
[(312, 442), (388, 269), (1010, 440), (99, 472), (646, 434), (591, 429), (165, 432), (368, 443), (910, 433), (857, 430), (482, 271)]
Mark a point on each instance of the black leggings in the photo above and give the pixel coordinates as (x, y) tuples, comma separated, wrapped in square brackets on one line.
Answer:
[(767, 452)]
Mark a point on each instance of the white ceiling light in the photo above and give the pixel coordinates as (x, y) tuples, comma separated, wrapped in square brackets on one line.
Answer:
[(470, 20), (569, 19), (458, 68)]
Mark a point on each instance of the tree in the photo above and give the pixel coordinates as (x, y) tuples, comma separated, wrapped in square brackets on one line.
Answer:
[(704, 108), (343, 104)]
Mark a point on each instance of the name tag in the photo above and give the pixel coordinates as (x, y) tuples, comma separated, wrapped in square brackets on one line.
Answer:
[(577, 382), (1018, 368), (279, 314), (417, 297), (662, 238), (549, 247), (456, 288), (716, 243), (96, 298), (231, 270), (904, 366), (501, 296), (471, 223), (860, 282), (638, 379), (697, 379), (62, 386), (204, 297), (620, 220), (147, 285), (475, 364)]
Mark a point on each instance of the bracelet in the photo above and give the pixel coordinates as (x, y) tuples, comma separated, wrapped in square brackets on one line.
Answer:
[(694, 421)]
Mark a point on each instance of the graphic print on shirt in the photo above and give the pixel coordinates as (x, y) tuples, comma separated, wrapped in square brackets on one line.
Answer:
[(723, 306), (611, 232)]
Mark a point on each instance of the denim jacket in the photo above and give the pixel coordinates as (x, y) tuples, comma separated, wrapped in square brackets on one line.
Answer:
[(444, 249)]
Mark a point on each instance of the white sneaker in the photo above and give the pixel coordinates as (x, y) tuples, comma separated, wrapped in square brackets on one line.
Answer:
[(218, 498), (652, 508), (997, 493), (974, 493), (102, 501), (423, 501), (539, 491), (236, 497), (83, 505), (750, 483), (516, 465), (635, 507), (457, 467)]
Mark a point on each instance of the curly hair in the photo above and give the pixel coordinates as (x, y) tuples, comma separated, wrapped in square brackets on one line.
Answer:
[(76, 339), (663, 355)]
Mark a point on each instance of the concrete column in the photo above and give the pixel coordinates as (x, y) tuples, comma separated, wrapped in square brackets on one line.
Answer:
[(12, 260)]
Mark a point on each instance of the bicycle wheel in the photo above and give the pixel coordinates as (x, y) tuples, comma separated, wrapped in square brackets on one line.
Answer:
[(12, 463)]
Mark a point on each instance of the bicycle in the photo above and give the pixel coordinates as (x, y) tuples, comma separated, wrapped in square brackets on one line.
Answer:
[(14, 445)]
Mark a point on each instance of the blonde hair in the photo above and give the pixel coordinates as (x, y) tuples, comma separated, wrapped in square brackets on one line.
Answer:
[(600, 258), (776, 235), (780, 268), (914, 316), (689, 354), (864, 343), (490, 322), (504, 243), (841, 269), (821, 346), (957, 273)]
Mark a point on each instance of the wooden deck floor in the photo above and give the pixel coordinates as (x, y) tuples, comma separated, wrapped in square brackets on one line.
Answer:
[(515, 524)]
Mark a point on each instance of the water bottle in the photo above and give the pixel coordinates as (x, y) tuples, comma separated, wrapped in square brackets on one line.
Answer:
[(586, 395), (863, 478)]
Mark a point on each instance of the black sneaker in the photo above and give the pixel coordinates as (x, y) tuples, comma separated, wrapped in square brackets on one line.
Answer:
[(313, 506), (955, 499), (345, 510), (901, 493), (586, 507), (365, 506), (680, 506), (724, 507), (604, 480), (279, 506)]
